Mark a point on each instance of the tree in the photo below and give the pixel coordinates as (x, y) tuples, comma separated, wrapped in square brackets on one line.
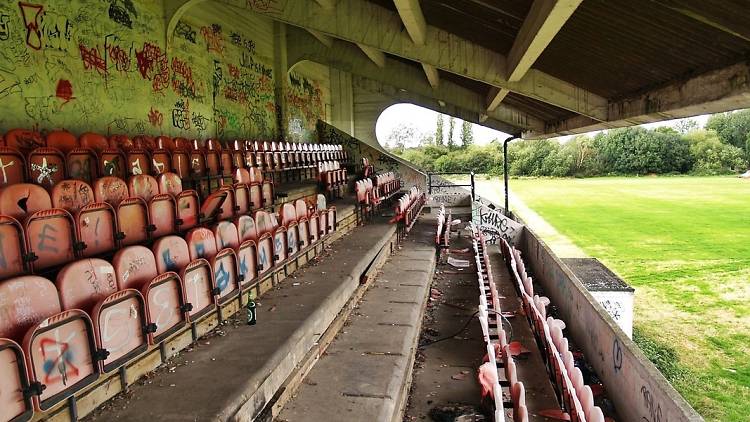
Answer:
[(439, 130), (451, 126), (686, 125), (400, 136), (711, 155), (733, 128), (467, 134)]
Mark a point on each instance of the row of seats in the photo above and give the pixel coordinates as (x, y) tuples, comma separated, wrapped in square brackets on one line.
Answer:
[(56, 338), (577, 397), (496, 341), (333, 178), (409, 207), (372, 191), (443, 232), (41, 230), (367, 168), (27, 156)]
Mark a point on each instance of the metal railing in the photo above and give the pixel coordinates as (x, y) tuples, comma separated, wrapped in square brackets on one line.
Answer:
[(435, 182)]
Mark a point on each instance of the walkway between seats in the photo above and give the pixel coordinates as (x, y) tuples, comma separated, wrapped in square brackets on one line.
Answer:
[(365, 373), (233, 374)]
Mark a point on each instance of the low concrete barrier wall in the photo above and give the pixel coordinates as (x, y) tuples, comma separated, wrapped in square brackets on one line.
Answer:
[(637, 388)]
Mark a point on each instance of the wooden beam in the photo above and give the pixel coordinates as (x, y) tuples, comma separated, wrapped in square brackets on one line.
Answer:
[(432, 75), (377, 56), (323, 38), (543, 22), (413, 19)]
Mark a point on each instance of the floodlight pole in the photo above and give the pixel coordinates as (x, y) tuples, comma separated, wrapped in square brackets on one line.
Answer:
[(505, 171)]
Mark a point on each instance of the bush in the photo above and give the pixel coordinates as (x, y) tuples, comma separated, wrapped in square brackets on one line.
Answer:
[(711, 155)]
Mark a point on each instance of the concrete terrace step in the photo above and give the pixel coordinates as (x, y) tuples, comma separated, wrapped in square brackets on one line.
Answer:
[(366, 372), (235, 373)]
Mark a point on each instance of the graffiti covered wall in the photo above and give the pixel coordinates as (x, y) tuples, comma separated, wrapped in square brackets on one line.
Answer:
[(307, 100), (103, 66)]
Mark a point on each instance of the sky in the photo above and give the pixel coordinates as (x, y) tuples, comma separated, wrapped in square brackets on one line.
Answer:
[(424, 121)]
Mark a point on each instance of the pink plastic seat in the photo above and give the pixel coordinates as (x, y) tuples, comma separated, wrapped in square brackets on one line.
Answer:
[(211, 208), (201, 243), (169, 183), (161, 161), (97, 229), (138, 162), (62, 140), (229, 206), (14, 406), (197, 278), (226, 277), (46, 167), (72, 195), (111, 190), (82, 164), (171, 254), (226, 235), (143, 186), (133, 221), (256, 196), (188, 209), (162, 214), (242, 199), (94, 141), (51, 238), (112, 162), (24, 140), (12, 167), (121, 328)]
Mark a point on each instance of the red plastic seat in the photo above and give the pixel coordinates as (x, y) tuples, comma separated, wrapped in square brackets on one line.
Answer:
[(182, 143), (171, 254), (162, 215), (314, 227), (161, 161), (242, 175), (133, 221), (12, 248), (303, 224), (51, 238), (188, 209), (93, 141), (280, 247), (256, 197), (46, 166), (112, 162), (23, 199), (72, 195), (136, 268), (33, 314), (111, 190), (138, 162), (169, 183), (201, 243), (144, 142), (247, 257), (143, 186), (229, 206), (211, 208), (122, 142), (165, 142), (82, 164), (242, 199), (24, 140), (62, 140), (14, 406), (83, 283), (121, 328), (96, 225), (197, 278), (267, 192), (12, 166), (226, 235), (246, 228), (181, 163)]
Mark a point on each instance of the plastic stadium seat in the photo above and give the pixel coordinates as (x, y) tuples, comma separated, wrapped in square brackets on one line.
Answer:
[(138, 162), (62, 140), (97, 229), (111, 190), (12, 247), (197, 278), (143, 186), (267, 193), (229, 206), (72, 195), (169, 183), (242, 199), (181, 163), (256, 197), (182, 143), (12, 166), (201, 243), (24, 140), (226, 235), (161, 161), (51, 238), (83, 283), (14, 406), (82, 164), (188, 209), (246, 228), (93, 141), (165, 142), (33, 314), (22, 199), (280, 247), (247, 258), (211, 208), (133, 221), (136, 268), (171, 254), (46, 166), (242, 175), (162, 215), (122, 142), (112, 162), (226, 276), (120, 327), (144, 142)]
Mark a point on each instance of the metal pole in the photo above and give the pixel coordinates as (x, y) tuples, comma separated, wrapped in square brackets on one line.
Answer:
[(429, 183), (505, 171), (472, 186)]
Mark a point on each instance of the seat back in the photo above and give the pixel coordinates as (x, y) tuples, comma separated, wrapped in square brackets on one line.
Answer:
[(23, 199), (265, 259), (134, 266), (201, 243), (120, 327), (188, 209), (50, 235), (263, 222), (122, 142), (138, 162), (267, 193), (288, 214), (24, 140), (14, 406), (111, 190), (112, 163), (161, 161), (72, 195), (165, 142), (12, 247), (93, 141), (212, 206), (46, 166), (12, 166), (169, 183), (229, 206), (247, 257), (143, 186), (62, 140), (226, 235), (198, 280), (82, 164), (27, 300), (292, 239), (241, 198), (246, 228), (171, 254), (181, 163), (83, 283), (97, 228), (256, 197), (226, 280), (165, 309), (133, 221), (314, 227), (161, 211)]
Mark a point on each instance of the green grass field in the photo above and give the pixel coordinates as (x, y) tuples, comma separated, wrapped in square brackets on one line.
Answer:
[(684, 244)]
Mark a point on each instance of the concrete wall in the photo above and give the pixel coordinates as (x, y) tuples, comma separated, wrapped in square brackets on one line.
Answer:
[(639, 391), (104, 66)]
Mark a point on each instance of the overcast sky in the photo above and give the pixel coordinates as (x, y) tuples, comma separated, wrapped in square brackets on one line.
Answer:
[(424, 121)]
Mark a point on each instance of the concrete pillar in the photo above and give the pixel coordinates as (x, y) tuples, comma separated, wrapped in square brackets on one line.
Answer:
[(280, 75), (342, 100)]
